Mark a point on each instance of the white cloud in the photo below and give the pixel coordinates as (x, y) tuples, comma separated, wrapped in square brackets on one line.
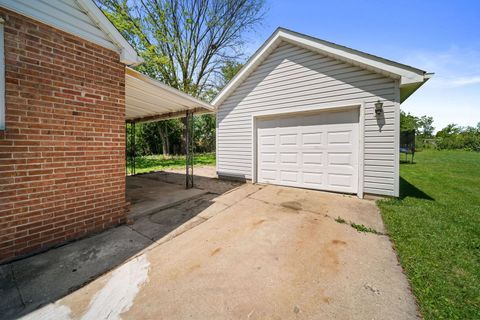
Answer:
[(463, 81), (453, 67), (453, 93)]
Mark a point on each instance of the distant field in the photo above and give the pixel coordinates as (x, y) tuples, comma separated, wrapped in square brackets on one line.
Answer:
[(159, 162), (435, 226)]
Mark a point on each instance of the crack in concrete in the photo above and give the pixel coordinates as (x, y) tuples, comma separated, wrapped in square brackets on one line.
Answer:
[(182, 232), (143, 235), (22, 300)]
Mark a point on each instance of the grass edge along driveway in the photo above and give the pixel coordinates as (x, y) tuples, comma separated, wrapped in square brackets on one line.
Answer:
[(435, 226)]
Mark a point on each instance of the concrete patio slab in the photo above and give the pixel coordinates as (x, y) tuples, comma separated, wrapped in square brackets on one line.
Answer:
[(204, 178), (256, 259), (173, 220), (11, 301), (53, 274), (147, 195), (48, 276)]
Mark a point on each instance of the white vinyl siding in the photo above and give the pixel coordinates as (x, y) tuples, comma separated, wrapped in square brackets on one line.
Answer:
[(292, 78), (65, 15)]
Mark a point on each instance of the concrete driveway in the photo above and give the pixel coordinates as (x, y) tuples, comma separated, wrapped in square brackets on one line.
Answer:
[(260, 252)]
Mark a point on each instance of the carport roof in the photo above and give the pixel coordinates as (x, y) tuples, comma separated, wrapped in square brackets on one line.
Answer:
[(147, 100)]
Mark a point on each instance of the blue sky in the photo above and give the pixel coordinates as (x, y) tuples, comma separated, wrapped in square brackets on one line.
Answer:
[(437, 36)]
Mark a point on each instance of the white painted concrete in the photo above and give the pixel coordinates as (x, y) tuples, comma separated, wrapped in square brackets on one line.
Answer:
[(118, 294), (111, 301)]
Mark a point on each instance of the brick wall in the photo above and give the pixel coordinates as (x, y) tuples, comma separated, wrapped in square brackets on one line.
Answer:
[(62, 154)]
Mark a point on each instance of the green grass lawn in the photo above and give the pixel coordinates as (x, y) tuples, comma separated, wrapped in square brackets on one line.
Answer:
[(435, 226), (159, 162)]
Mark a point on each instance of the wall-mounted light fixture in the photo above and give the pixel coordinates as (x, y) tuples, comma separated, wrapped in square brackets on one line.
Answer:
[(378, 108)]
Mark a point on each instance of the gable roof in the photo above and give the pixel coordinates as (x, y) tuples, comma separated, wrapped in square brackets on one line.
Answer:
[(81, 18), (410, 78)]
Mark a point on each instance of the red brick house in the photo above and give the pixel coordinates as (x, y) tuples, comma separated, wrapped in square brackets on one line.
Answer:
[(65, 94)]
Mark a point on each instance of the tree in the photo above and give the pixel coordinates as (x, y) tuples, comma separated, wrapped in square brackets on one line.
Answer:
[(168, 129), (422, 126), (205, 125), (456, 137), (408, 122), (450, 130), (204, 128), (185, 42), (425, 126), (228, 71)]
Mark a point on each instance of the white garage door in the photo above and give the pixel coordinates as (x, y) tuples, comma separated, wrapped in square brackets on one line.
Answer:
[(315, 151)]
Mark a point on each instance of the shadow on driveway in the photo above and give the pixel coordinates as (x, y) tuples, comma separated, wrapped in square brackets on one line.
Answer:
[(31, 282)]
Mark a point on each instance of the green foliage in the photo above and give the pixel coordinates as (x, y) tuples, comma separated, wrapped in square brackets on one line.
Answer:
[(452, 137), (408, 121), (422, 126), (425, 126), (160, 162), (423, 129), (148, 137), (456, 137), (185, 43), (435, 228), (166, 137), (204, 127), (363, 228), (189, 45), (228, 71)]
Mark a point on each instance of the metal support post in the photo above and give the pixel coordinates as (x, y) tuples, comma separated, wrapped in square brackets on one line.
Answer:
[(131, 152), (189, 150)]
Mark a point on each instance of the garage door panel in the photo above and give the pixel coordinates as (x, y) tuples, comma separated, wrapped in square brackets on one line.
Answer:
[(343, 137), (288, 176), (268, 174), (312, 139), (318, 151), (340, 180), (340, 158), (312, 158), (267, 140), (289, 157), (288, 139), (268, 157), (313, 178)]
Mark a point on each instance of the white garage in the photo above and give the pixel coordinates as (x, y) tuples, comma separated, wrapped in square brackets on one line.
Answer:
[(308, 113), (317, 151)]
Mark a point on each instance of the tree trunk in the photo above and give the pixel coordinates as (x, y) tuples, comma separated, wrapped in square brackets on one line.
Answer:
[(165, 143), (168, 145)]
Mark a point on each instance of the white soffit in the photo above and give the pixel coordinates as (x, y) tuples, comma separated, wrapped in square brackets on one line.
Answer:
[(147, 99), (407, 75)]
